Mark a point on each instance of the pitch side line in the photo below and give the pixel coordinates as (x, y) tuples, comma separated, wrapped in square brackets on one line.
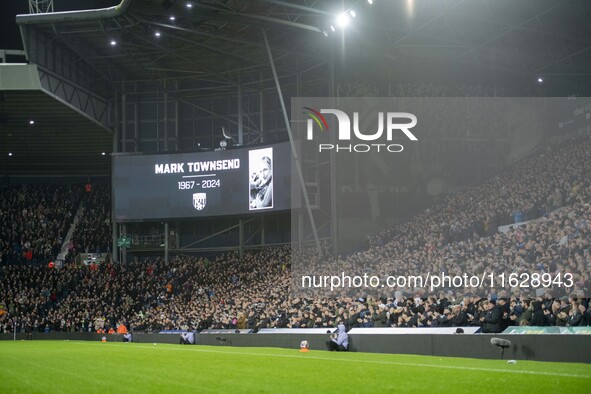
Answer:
[(566, 375)]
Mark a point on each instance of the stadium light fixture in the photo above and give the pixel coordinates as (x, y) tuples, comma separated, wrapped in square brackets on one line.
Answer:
[(370, 2), (172, 18), (9, 153), (343, 20), (189, 5), (113, 43), (103, 153), (352, 13), (31, 122), (540, 80), (157, 34)]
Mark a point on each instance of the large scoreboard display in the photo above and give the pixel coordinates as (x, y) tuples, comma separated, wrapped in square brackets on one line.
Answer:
[(201, 184)]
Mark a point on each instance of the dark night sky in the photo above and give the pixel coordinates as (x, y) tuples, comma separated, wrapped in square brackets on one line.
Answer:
[(9, 33)]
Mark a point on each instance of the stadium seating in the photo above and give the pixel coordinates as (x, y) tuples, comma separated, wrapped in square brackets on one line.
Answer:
[(551, 192)]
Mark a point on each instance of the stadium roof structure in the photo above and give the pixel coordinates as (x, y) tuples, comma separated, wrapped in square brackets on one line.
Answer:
[(85, 60)]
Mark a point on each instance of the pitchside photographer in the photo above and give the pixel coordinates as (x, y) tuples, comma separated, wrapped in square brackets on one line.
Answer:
[(339, 340), (187, 338)]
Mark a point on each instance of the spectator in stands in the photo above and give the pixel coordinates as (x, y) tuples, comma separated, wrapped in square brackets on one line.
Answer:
[(121, 328), (492, 318), (538, 317), (586, 316), (459, 317), (575, 317)]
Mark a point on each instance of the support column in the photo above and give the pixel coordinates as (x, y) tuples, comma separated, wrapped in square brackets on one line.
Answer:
[(292, 143), (165, 109), (124, 250), (115, 248), (263, 231), (333, 92), (240, 117), (177, 143), (240, 238), (166, 243), (123, 123), (261, 110), (300, 230), (136, 119)]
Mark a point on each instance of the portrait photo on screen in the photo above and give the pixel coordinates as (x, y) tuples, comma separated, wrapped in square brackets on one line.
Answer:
[(260, 169)]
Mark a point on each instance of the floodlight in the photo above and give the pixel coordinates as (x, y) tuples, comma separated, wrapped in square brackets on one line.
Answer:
[(343, 20)]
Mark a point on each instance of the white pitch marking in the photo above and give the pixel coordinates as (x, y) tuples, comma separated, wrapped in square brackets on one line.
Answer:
[(567, 375)]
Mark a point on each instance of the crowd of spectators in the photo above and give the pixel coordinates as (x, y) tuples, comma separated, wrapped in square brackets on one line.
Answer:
[(551, 192), (34, 220), (147, 295), (92, 233), (248, 293)]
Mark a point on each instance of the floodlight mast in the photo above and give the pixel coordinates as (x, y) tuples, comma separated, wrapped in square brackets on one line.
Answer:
[(40, 6)]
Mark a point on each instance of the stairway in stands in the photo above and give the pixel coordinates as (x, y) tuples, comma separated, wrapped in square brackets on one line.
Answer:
[(61, 257)]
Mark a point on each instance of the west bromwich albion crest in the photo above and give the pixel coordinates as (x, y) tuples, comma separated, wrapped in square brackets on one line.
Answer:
[(199, 200)]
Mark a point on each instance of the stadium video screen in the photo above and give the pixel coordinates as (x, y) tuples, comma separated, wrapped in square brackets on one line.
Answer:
[(201, 184)]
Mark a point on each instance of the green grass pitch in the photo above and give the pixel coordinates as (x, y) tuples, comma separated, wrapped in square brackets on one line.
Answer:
[(95, 367)]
